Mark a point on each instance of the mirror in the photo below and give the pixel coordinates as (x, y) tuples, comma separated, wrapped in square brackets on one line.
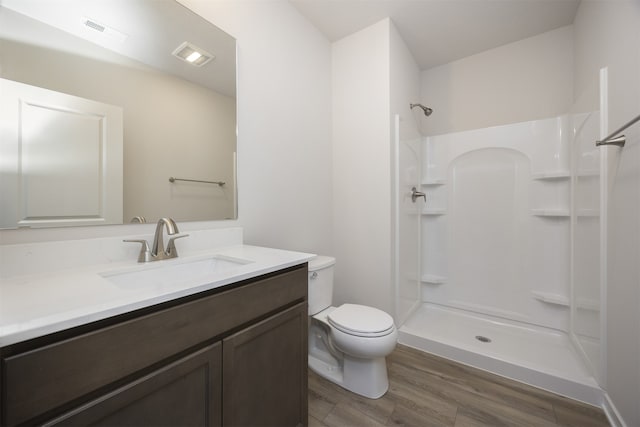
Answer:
[(99, 109)]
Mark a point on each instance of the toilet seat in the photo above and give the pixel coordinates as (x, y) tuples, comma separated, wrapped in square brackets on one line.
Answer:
[(361, 321)]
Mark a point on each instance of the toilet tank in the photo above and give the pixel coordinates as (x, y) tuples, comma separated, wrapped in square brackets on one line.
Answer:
[(320, 282)]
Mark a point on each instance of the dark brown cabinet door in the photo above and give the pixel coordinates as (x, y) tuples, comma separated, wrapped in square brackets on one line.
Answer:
[(265, 372), (186, 392)]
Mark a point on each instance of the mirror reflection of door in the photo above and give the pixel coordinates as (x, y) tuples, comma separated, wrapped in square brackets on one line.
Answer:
[(61, 158), (179, 119)]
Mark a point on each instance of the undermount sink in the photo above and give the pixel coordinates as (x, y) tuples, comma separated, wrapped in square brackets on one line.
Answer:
[(163, 274)]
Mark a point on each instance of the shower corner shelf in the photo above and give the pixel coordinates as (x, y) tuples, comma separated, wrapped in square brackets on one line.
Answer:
[(433, 182), (432, 279), (551, 298), (558, 213), (433, 212), (549, 175)]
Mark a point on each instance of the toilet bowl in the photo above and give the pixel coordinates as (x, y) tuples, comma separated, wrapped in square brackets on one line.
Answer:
[(347, 344)]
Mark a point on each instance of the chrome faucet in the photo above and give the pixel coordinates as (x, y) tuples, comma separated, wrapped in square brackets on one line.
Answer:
[(158, 250)]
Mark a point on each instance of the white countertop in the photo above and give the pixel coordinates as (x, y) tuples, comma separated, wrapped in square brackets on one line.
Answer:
[(39, 304)]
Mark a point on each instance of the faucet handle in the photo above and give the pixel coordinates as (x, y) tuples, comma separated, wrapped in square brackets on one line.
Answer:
[(172, 252), (145, 253)]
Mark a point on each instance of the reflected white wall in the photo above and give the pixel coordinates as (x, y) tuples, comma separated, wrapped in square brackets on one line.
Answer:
[(199, 146)]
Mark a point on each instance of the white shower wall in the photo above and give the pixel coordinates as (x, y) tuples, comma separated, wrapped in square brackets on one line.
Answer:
[(510, 211), (588, 284), (408, 155), (496, 225)]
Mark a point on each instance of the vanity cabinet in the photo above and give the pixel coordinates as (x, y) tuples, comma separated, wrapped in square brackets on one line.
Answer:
[(235, 355), (183, 393), (264, 380)]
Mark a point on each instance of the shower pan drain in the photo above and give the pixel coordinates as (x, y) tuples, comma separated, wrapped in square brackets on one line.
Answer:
[(483, 339)]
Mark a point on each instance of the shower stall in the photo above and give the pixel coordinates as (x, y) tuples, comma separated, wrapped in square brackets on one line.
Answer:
[(499, 265)]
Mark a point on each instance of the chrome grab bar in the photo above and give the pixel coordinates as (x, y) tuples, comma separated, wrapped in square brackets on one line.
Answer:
[(614, 139), (219, 183)]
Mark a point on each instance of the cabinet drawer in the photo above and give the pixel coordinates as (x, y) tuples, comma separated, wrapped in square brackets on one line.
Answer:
[(40, 380)]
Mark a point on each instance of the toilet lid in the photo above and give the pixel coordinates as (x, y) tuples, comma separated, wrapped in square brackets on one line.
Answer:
[(361, 320)]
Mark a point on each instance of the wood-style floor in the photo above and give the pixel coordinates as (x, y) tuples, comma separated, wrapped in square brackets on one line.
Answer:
[(425, 390)]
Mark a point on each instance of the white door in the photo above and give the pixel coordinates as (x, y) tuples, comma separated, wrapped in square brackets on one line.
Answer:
[(61, 159)]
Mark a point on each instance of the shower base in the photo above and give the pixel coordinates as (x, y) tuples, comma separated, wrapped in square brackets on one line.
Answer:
[(537, 356)]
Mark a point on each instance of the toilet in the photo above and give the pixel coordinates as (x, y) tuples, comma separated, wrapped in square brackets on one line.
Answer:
[(347, 344)]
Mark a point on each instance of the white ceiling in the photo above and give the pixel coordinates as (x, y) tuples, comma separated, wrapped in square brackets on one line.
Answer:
[(441, 31)]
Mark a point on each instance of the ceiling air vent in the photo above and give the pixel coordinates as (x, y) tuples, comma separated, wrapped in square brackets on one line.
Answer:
[(104, 29), (94, 25), (192, 54)]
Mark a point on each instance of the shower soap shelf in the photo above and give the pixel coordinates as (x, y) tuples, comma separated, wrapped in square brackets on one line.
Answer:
[(549, 175), (432, 279), (565, 212), (433, 212), (550, 298), (434, 182), (551, 212)]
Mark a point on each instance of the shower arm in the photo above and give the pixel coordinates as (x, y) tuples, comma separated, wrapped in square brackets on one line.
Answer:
[(426, 110)]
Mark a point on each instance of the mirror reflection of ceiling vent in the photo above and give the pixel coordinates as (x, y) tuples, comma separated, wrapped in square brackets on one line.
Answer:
[(193, 54)]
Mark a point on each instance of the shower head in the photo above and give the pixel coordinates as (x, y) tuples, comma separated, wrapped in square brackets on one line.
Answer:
[(427, 111)]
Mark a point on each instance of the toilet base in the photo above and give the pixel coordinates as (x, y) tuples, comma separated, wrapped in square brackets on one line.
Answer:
[(366, 377), (326, 370)]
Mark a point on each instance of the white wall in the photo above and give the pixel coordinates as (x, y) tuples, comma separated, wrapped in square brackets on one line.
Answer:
[(525, 80), (361, 167), (284, 122), (374, 77), (608, 34), (404, 90), (405, 83), (284, 139)]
